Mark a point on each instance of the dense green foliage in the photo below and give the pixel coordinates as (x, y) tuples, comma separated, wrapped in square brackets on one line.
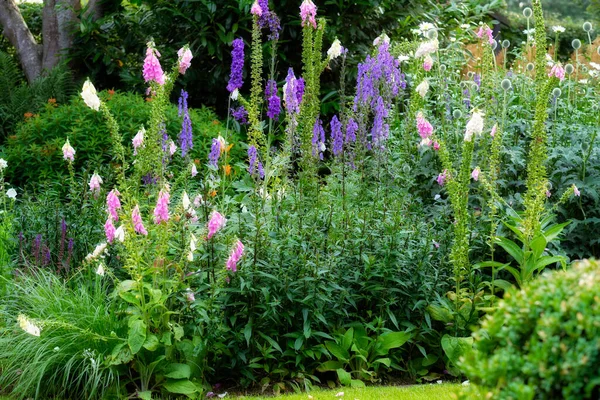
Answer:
[(542, 341)]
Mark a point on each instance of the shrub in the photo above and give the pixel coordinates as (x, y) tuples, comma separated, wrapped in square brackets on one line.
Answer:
[(34, 152), (542, 341)]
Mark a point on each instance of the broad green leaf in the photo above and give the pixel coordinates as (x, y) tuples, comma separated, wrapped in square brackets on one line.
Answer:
[(182, 386), (146, 395), (392, 340), (356, 383), (178, 371), (337, 351), (137, 335), (502, 284), (511, 248), (151, 342), (271, 341), (344, 377), (248, 333), (385, 361), (440, 313), (330, 366), (538, 245), (346, 340), (455, 347), (555, 230)]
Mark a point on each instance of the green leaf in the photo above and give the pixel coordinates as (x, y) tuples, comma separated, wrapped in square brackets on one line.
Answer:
[(271, 341), (178, 371), (502, 284), (440, 313), (511, 248), (137, 335), (555, 230), (338, 352), (248, 333), (182, 386), (355, 383), (344, 377), (538, 245), (330, 366), (146, 395), (347, 339), (392, 340), (385, 361), (455, 347), (151, 342), (177, 332)]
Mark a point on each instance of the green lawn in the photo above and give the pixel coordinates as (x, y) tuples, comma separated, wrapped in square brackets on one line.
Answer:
[(416, 392)]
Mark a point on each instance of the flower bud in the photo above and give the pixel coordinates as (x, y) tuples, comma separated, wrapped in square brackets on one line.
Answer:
[(506, 85), (576, 43)]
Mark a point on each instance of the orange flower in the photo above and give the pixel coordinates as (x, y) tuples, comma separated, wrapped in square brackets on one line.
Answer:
[(196, 161), (148, 99), (119, 63), (216, 122), (52, 101), (28, 115), (229, 147), (213, 193), (227, 169)]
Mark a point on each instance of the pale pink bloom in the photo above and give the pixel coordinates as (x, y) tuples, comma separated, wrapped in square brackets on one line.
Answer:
[(185, 59), (198, 201), (138, 224), (488, 32), (95, 182), (428, 63), (308, 12), (425, 142), (235, 256), (558, 71), (548, 194), (161, 211), (475, 174), (426, 48), (216, 222), (423, 126), (436, 146), (436, 244), (138, 140), (194, 170), (68, 151), (576, 191), (113, 203), (441, 179), (494, 129), (109, 230), (172, 147), (256, 10), (189, 296), (152, 69)]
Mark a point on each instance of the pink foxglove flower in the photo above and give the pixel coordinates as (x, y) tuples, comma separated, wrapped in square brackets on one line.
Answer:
[(185, 59), (436, 146), (441, 179), (95, 182), (576, 191), (475, 174), (423, 126), (138, 224), (152, 69), (426, 48), (113, 203), (548, 193), (68, 151), (486, 31), (109, 230), (161, 211), (138, 140), (194, 170), (308, 12), (558, 71), (494, 129), (172, 147), (428, 63), (256, 10), (215, 223), (189, 295), (235, 256)]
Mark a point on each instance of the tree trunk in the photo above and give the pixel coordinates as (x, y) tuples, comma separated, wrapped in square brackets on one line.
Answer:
[(51, 35), (18, 34)]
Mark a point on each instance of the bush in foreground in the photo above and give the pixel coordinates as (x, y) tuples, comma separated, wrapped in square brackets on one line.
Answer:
[(542, 342)]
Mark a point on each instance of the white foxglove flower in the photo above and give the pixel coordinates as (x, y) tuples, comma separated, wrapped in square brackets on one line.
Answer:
[(426, 48), (474, 126), (172, 147), (193, 242), (185, 200), (11, 193), (100, 270), (88, 93), (335, 50), (235, 94), (98, 251), (120, 234), (138, 140), (322, 147), (3, 164), (383, 37), (28, 326), (423, 88), (402, 58)]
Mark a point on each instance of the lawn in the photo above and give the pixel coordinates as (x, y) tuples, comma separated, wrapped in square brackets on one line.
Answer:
[(416, 392)]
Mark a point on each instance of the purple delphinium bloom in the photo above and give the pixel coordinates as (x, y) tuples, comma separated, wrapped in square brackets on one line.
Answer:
[(268, 19), (254, 163), (149, 179), (318, 140), (237, 65), (215, 153), (467, 99), (290, 95), (380, 131), (185, 136), (300, 84), (274, 103), (70, 251), (337, 137), (47, 256), (477, 80), (63, 237), (351, 129), (240, 114)]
